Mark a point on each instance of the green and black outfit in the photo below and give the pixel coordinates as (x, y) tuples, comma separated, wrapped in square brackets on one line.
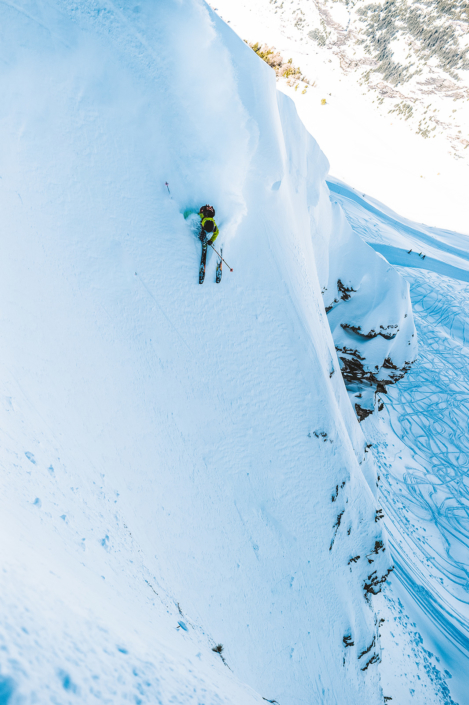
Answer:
[(208, 227)]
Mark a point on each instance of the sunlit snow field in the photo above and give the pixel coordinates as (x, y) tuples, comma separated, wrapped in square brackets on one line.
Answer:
[(368, 147)]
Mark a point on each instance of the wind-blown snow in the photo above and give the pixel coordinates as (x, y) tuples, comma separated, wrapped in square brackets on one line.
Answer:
[(181, 467)]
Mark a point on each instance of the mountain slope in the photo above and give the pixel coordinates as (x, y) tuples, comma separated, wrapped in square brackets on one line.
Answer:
[(182, 467)]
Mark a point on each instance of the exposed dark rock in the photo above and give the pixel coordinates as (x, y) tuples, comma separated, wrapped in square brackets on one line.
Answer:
[(388, 364), (373, 584), (376, 658), (388, 333), (336, 527), (344, 290), (356, 375), (379, 546), (367, 651), (336, 493), (361, 413)]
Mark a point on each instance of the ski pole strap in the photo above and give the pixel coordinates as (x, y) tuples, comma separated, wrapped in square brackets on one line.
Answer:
[(224, 260)]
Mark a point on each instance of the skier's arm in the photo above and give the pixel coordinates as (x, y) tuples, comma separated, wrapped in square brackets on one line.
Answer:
[(214, 236)]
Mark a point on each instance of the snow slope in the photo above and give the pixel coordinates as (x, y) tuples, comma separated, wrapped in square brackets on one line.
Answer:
[(181, 467), (401, 241), (420, 445)]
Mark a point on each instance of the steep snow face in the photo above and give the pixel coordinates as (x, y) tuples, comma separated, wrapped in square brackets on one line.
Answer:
[(181, 465)]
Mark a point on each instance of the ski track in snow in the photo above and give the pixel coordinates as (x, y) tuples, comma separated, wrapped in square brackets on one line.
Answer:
[(429, 412), (421, 441)]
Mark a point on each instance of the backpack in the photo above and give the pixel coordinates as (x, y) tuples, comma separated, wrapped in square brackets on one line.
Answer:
[(208, 225)]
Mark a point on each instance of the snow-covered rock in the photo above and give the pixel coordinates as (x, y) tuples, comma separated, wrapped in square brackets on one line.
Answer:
[(181, 465), (370, 315)]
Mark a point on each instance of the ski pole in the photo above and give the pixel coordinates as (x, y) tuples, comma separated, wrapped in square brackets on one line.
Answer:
[(224, 260), (167, 186)]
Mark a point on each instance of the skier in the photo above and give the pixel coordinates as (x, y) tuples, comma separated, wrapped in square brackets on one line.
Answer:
[(207, 215), (208, 227)]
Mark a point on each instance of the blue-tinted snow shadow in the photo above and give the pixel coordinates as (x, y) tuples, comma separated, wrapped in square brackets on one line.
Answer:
[(403, 258), (435, 237), (7, 689)]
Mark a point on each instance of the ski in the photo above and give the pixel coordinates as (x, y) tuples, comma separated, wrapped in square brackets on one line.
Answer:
[(219, 267), (203, 260)]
